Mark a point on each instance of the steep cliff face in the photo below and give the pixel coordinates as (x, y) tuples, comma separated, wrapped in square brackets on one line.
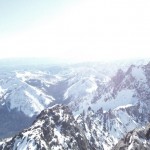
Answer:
[(138, 139), (53, 129)]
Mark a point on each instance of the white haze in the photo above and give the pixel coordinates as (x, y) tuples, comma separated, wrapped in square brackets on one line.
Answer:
[(86, 31)]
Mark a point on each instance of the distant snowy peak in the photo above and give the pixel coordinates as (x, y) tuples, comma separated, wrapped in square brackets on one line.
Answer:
[(54, 128), (80, 88), (16, 93)]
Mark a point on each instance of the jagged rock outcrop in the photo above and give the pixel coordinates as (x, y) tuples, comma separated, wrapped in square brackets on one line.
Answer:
[(138, 139), (54, 128)]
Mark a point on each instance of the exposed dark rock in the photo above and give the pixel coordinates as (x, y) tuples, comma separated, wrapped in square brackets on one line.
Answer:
[(54, 127)]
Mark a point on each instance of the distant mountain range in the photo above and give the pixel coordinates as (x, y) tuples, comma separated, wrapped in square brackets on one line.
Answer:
[(104, 102)]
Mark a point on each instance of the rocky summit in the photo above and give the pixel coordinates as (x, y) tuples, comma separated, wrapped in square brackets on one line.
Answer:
[(54, 128)]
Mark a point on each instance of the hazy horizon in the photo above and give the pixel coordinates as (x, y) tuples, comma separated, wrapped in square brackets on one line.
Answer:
[(75, 31)]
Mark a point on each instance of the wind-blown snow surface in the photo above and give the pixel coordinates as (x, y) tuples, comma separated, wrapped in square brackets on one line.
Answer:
[(105, 102)]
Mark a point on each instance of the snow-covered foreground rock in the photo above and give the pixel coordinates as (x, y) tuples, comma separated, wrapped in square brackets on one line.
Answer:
[(138, 139), (56, 128), (53, 129)]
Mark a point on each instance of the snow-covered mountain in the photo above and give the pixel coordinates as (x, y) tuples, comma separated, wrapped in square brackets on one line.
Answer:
[(32, 90), (22, 97), (107, 100), (120, 106)]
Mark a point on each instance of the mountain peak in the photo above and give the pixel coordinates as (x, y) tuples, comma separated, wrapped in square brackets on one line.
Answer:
[(54, 128)]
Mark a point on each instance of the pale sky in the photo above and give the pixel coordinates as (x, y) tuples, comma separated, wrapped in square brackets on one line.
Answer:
[(82, 30)]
